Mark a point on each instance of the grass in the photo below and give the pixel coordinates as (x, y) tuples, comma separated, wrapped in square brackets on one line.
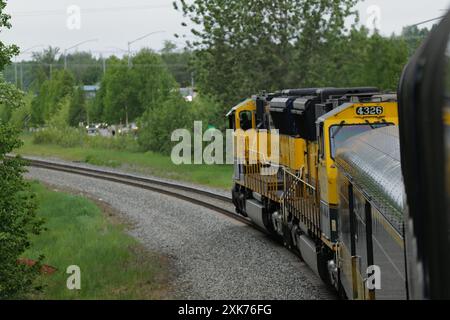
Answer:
[(219, 176), (113, 264)]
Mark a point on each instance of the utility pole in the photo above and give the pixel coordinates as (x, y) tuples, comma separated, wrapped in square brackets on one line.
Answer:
[(126, 115), (21, 76), (104, 65), (15, 72), (129, 55)]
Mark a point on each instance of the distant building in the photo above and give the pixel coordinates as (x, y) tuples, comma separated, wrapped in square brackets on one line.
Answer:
[(90, 91)]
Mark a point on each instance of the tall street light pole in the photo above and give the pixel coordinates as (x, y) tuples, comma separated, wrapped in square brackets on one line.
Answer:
[(21, 67), (75, 46), (129, 62), (136, 40)]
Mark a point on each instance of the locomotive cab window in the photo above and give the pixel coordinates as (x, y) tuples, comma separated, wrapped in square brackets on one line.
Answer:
[(245, 120), (446, 132), (342, 132)]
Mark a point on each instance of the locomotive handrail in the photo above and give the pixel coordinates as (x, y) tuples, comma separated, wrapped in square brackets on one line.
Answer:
[(264, 161), (261, 154), (300, 179)]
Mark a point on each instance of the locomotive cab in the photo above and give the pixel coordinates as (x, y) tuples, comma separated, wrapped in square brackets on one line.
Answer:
[(242, 116), (359, 114)]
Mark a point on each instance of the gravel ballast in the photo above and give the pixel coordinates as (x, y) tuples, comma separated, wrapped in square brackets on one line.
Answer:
[(211, 256)]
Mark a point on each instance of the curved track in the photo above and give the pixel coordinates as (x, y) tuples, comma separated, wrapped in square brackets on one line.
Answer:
[(207, 199), (218, 203)]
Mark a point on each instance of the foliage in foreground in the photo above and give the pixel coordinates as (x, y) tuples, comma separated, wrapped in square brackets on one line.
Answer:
[(113, 265), (18, 220), (17, 203)]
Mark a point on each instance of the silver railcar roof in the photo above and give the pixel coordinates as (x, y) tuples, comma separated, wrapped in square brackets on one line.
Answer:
[(372, 161)]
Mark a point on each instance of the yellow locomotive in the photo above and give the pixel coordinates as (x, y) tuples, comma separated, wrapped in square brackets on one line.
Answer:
[(294, 169)]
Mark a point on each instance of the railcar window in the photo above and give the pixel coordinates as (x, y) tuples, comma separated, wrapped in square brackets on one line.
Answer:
[(446, 120), (447, 148), (341, 133)]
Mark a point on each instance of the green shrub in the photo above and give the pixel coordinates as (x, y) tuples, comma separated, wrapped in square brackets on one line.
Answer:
[(17, 203), (208, 111), (60, 117), (64, 137), (68, 137), (158, 124), (125, 143), (21, 116), (18, 220)]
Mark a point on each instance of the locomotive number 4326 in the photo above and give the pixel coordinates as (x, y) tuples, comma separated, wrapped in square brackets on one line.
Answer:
[(369, 111)]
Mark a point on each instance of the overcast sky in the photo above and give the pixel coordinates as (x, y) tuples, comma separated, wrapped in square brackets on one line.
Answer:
[(114, 23)]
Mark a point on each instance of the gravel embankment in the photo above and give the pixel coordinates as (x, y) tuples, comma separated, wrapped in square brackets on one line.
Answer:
[(211, 256)]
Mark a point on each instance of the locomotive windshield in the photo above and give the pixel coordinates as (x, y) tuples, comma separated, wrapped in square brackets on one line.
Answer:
[(340, 133)]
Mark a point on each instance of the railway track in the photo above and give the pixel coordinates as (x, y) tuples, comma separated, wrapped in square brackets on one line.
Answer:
[(216, 202), (207, 199)]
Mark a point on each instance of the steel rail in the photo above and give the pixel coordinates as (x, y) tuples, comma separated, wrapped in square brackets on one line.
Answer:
[(148, 184), (209, 194)]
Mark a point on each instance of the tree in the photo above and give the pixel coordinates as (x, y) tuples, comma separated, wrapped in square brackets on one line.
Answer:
[(21, 116), (84, 66), (178, 63), (126, 93), (414, 37), (43, 63), (32, 73), (248, 46), (152, 78), (77, 108), (174, 113), (17, 203), (360, 59), (6, 51), (118, 95), (50, 94)]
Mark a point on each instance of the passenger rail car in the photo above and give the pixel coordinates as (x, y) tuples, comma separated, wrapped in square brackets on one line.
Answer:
[(370, 215), (424, 113)]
